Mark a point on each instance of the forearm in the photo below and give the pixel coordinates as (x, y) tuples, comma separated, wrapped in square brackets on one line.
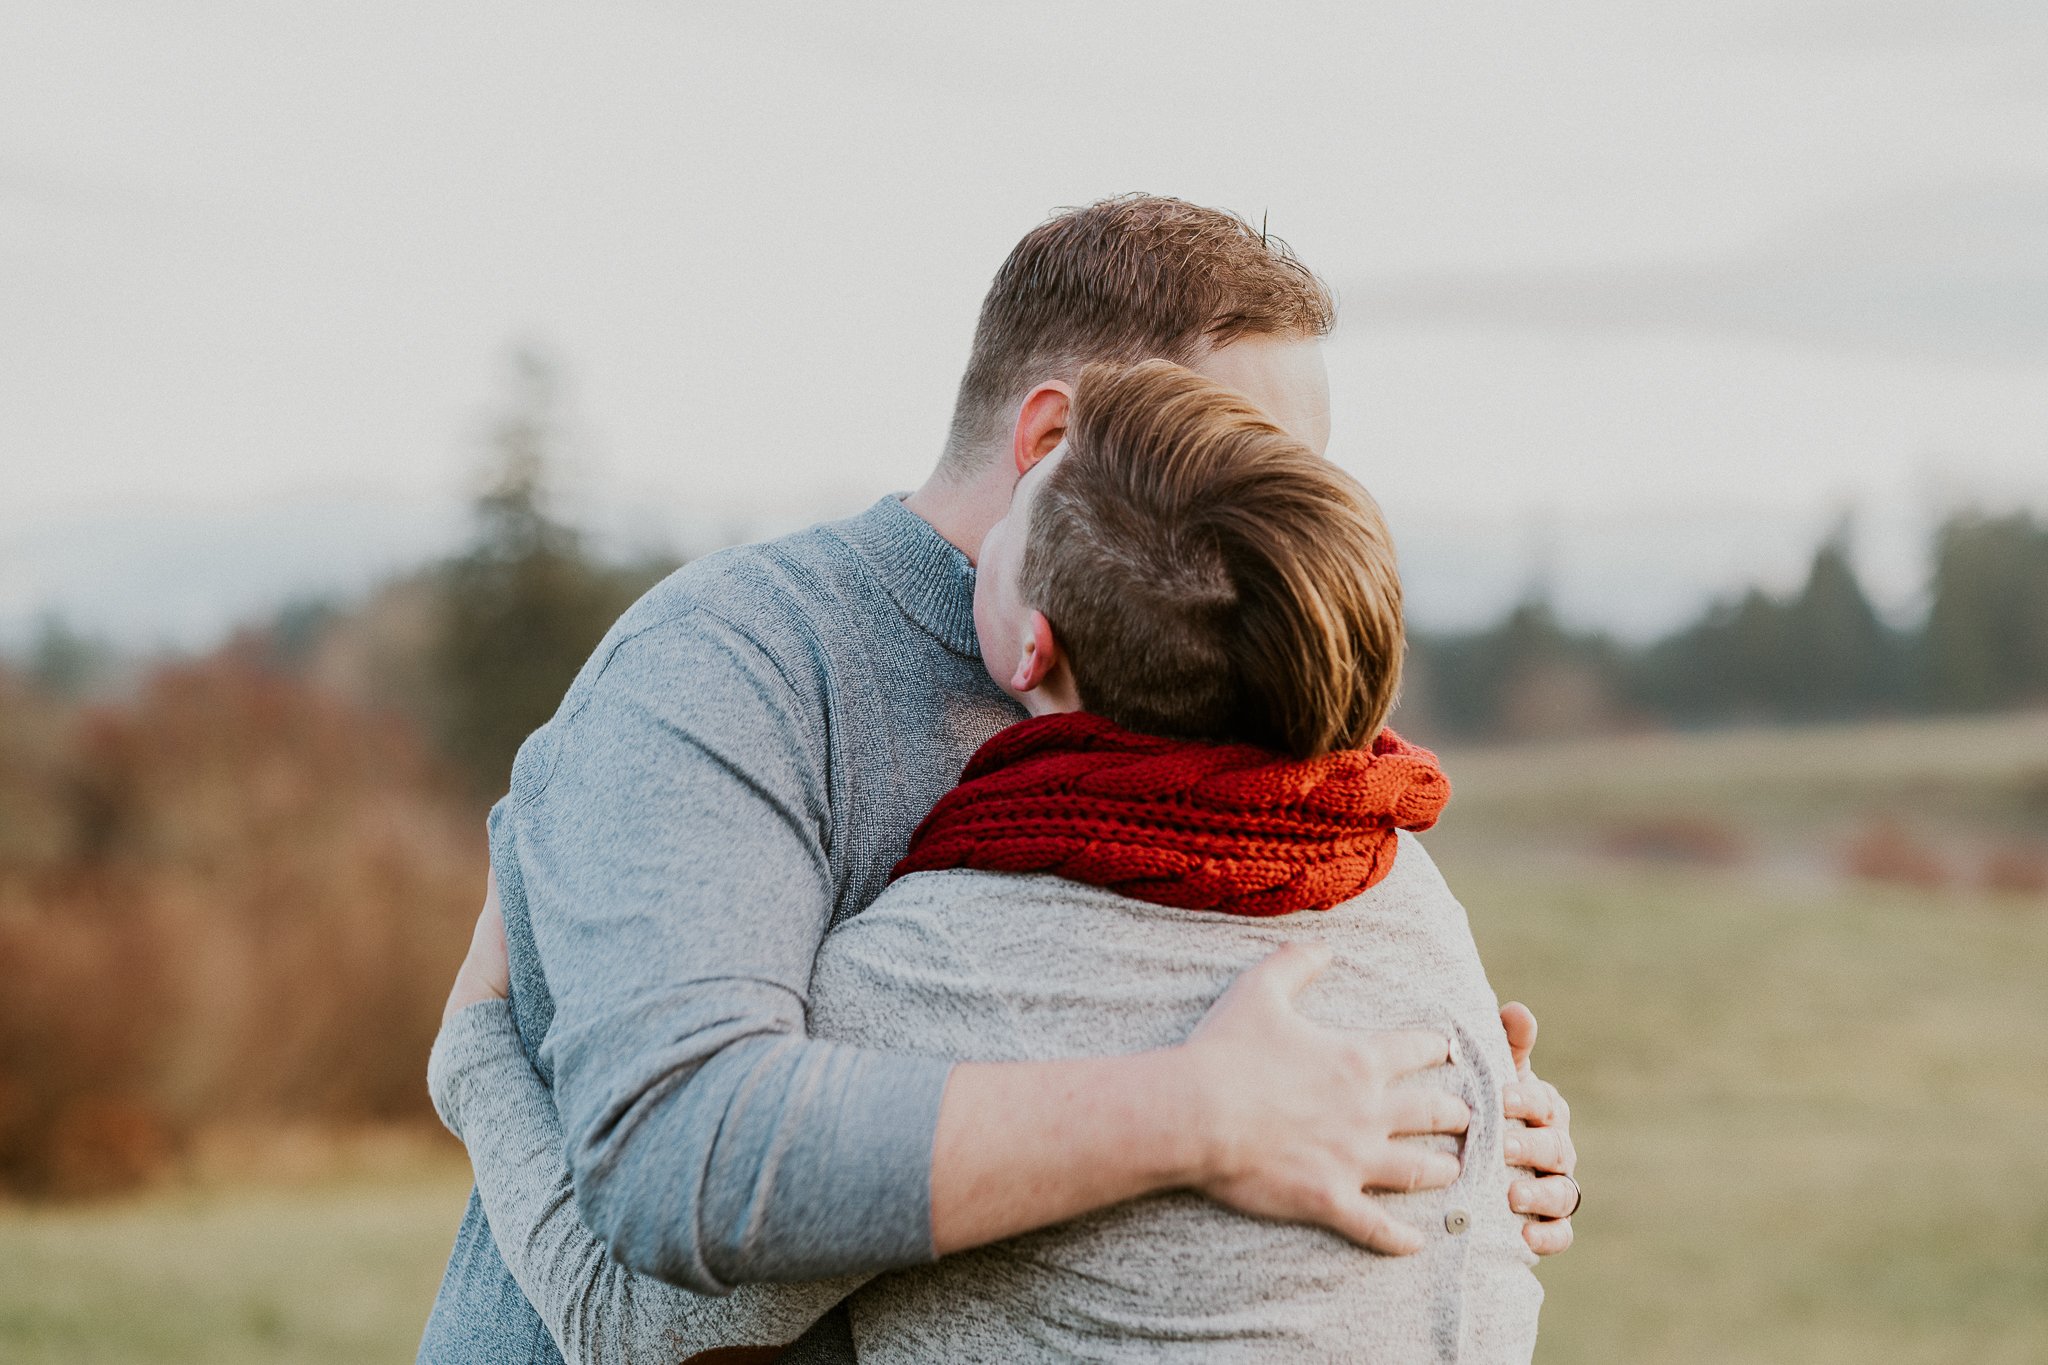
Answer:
[(594, 1309), (1023, 1145), (678, 880), (737, 1154)]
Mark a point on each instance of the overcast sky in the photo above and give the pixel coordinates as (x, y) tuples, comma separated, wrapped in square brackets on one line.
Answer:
[(1637, 298)]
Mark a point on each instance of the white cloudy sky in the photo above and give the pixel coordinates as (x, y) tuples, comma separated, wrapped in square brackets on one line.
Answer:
[(1639, 297)]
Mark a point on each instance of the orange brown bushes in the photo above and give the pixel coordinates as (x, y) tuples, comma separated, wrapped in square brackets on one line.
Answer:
[(1690, 839), (84, 991), (233, 897), (2017, 869), (1886, 851)]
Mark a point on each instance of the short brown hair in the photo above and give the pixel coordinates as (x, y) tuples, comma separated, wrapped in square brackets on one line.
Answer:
[(1208, 575), (1126, 279)]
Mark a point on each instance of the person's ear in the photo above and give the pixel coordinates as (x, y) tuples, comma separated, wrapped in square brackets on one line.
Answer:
[(1039, 657), (1041, 424)]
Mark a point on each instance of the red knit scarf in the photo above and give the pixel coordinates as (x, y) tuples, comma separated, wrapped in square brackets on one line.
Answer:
[(1194, 825)]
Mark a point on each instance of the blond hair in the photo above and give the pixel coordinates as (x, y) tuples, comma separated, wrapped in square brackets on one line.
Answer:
[(1208, 575)]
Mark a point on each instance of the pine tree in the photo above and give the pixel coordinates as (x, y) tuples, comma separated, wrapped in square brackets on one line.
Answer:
[(1987, 630), (527, 603), (1838, 658)]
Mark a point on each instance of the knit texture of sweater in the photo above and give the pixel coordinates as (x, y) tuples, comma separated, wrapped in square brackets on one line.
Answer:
[(1001, 967)]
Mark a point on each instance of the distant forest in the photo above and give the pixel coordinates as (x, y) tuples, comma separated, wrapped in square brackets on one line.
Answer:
[(476, 650), (1821, 653)]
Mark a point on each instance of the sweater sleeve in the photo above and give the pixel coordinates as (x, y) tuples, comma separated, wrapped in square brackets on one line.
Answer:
[(673, 844), (595, 1309)]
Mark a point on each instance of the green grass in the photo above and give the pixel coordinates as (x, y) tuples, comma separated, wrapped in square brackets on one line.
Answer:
[(1813, 1117), (1953, 778), (330, 1271), (1811, 1128), (1811, 1114)]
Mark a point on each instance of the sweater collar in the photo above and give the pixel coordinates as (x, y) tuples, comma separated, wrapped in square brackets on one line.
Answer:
[(924, 572)]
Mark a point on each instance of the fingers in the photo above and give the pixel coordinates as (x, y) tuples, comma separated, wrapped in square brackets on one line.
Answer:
[(1413, 1111), (1369, 1225), (1535, 1102), (1409, 1166), (1547, 1239), (1549, 1196), (1521, 1029), (491, 928), (1413, 1050), (488, 961), (1289, 970), (1547, 1151), (494, 910)]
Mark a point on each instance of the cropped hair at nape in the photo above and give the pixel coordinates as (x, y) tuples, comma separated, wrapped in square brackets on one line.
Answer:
[(1208, 575)]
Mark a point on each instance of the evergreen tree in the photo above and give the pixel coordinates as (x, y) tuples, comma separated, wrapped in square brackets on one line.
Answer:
[(63, 663), (1723, 667), (1986, 641), (1821, 654), (526, 604), (1477, 684), (1839, 659)]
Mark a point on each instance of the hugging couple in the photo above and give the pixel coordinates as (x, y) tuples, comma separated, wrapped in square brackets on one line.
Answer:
[(990, 928)]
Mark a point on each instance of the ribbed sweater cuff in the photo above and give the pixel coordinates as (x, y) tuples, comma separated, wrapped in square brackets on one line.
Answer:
[(478, 1035)]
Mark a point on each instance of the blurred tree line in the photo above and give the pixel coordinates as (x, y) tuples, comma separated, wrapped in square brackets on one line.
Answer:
[(233, 889), (227, 897), (477, 650), (1820, 653)]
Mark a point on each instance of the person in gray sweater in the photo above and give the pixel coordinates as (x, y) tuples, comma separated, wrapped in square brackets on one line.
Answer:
[(1203, 619)]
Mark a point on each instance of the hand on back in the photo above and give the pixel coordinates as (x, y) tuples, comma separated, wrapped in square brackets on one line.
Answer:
[(1550, 1196), (1306, 1120)]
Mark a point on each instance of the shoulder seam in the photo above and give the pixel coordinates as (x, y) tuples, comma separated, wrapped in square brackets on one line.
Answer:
[(541, 788), (679, 618)]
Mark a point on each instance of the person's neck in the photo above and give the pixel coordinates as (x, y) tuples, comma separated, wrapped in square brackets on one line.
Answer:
[(1055, 695), (962, 507)]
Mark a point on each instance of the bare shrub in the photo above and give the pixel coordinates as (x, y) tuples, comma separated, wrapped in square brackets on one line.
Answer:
[(1695, 840), (2017, 869), (239, 898), (1887, 851)]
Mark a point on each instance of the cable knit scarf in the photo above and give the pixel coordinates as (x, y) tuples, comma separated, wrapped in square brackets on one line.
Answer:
[(1197, 826)]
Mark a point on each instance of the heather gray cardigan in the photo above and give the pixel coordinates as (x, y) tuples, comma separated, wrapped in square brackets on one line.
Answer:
[(995, 967)]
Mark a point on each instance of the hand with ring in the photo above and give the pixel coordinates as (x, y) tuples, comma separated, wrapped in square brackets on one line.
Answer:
[(1546, 1191)]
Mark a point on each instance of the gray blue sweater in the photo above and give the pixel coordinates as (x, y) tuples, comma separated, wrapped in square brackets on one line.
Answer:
[(734, 771)]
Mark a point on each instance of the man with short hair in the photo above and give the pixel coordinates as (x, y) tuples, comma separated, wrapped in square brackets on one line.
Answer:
[(738, 767)]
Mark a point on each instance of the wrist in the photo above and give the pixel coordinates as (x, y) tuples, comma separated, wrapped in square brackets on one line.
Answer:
[(1181, 1105), (471, 988)]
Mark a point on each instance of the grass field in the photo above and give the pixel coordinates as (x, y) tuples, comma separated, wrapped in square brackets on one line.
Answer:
[(1811, 1113), (1810, 1128), (295, 1270)]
